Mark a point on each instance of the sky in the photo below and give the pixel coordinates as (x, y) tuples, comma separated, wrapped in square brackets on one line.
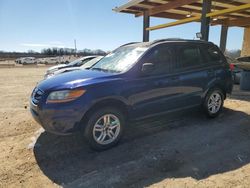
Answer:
[(37, 24)]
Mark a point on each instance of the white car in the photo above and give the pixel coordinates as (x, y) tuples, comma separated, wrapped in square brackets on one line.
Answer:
[(76, 63), (51, 60), (87, 65), (26, 60)]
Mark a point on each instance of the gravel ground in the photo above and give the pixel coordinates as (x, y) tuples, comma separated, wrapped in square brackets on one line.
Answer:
[(184, 150)]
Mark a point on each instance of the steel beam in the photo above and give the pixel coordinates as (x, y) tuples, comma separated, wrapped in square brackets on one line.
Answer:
[(223, 38), (168, 6), (127, 5), (146, 23), (198, 18), (205, 21)]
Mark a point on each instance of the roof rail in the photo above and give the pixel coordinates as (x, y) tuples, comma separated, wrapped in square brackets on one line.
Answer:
[(129, 43), (125, 45), (168, 39), (179, 39)]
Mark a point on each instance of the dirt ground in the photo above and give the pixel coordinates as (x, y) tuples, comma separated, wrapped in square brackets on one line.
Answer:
[(187, 150)]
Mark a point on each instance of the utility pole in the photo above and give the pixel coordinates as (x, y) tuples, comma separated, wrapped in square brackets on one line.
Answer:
[(75, 47)]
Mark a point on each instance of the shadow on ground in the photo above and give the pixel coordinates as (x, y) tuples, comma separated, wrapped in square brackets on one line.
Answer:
[(152, 150)]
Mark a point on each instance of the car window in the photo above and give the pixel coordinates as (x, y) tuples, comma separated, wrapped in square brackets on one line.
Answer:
[(75, 62), (162, 56), (189, 56), (213, 55), (83, 61), (90, 63)]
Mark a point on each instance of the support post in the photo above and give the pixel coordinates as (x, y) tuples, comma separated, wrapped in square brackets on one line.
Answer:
[(223, 38), (146, 21), (205, 21), (246, 43)]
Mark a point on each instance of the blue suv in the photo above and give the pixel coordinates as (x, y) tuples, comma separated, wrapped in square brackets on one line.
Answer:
[(135, 81)]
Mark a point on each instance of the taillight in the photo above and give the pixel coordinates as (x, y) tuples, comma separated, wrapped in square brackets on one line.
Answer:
[(231, 67)]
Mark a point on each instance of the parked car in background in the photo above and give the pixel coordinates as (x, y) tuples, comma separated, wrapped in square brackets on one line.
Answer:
[(55, 60), (40, 60), (76, 63), (87, 65), (244, 59), (236, 65), (26, 60), (133, 82), (51, 60), (17, 61), (235, 69)]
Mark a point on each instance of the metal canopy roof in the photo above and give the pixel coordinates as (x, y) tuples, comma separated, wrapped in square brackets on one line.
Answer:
[(223, 12)]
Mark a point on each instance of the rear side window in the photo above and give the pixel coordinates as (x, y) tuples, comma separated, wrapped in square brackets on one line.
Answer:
[(162, 56), (189, 56), (213, 54)]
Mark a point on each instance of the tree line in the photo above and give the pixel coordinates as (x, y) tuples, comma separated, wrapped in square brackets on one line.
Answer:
[(70, 51), (233, 53), (51, 52)]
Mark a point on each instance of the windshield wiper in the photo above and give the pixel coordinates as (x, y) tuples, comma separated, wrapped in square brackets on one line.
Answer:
[(104, 70), (98, 69)]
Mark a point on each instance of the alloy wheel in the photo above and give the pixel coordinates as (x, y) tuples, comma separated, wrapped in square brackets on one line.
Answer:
[(214, 103), (106, 129)]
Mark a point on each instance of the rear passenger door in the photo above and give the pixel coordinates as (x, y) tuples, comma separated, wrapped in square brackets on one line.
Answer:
[(193, 73), (217, 68)]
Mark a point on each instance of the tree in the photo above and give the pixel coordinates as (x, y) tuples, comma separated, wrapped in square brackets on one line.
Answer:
[(233, 53)]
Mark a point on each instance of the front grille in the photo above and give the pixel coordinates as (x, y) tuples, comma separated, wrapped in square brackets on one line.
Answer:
[(36, 95)]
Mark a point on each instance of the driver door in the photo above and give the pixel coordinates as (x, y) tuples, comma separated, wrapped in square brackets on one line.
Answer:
[(158, 91)]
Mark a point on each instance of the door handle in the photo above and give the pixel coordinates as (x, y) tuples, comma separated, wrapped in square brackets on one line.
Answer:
[(174, 78), (210, 72), (162, 83), (167, 81)]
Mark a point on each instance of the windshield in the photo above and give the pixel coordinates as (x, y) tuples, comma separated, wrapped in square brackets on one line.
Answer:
[(90, 63), (120, 60), (74, 62), (79, 62)]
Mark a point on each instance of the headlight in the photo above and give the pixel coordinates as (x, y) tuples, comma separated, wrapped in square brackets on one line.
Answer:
[(48, 75), (64, 95)]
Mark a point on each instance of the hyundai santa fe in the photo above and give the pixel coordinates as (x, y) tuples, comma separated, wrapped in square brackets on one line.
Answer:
[(135, 81)]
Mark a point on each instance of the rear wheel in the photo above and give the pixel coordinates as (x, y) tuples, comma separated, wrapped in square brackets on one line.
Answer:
[(104, 128), (214, 102)]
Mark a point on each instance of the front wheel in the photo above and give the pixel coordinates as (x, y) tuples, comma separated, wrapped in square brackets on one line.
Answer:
[(104, 128), (213, 103)]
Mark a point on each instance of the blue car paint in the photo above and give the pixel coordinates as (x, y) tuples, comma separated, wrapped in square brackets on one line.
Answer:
[(142, 96), (64, 117)]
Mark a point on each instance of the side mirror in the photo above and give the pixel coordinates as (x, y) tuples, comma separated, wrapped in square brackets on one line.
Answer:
[(148, 67)]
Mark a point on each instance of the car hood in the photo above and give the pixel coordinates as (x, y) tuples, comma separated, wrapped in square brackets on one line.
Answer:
[(51, 69), (74, 79)]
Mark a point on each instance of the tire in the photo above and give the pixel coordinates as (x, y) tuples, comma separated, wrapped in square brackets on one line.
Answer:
[(94, 138), (213, 103)]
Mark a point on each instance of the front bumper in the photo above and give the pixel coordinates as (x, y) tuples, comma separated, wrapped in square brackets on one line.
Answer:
[(61, 121)]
